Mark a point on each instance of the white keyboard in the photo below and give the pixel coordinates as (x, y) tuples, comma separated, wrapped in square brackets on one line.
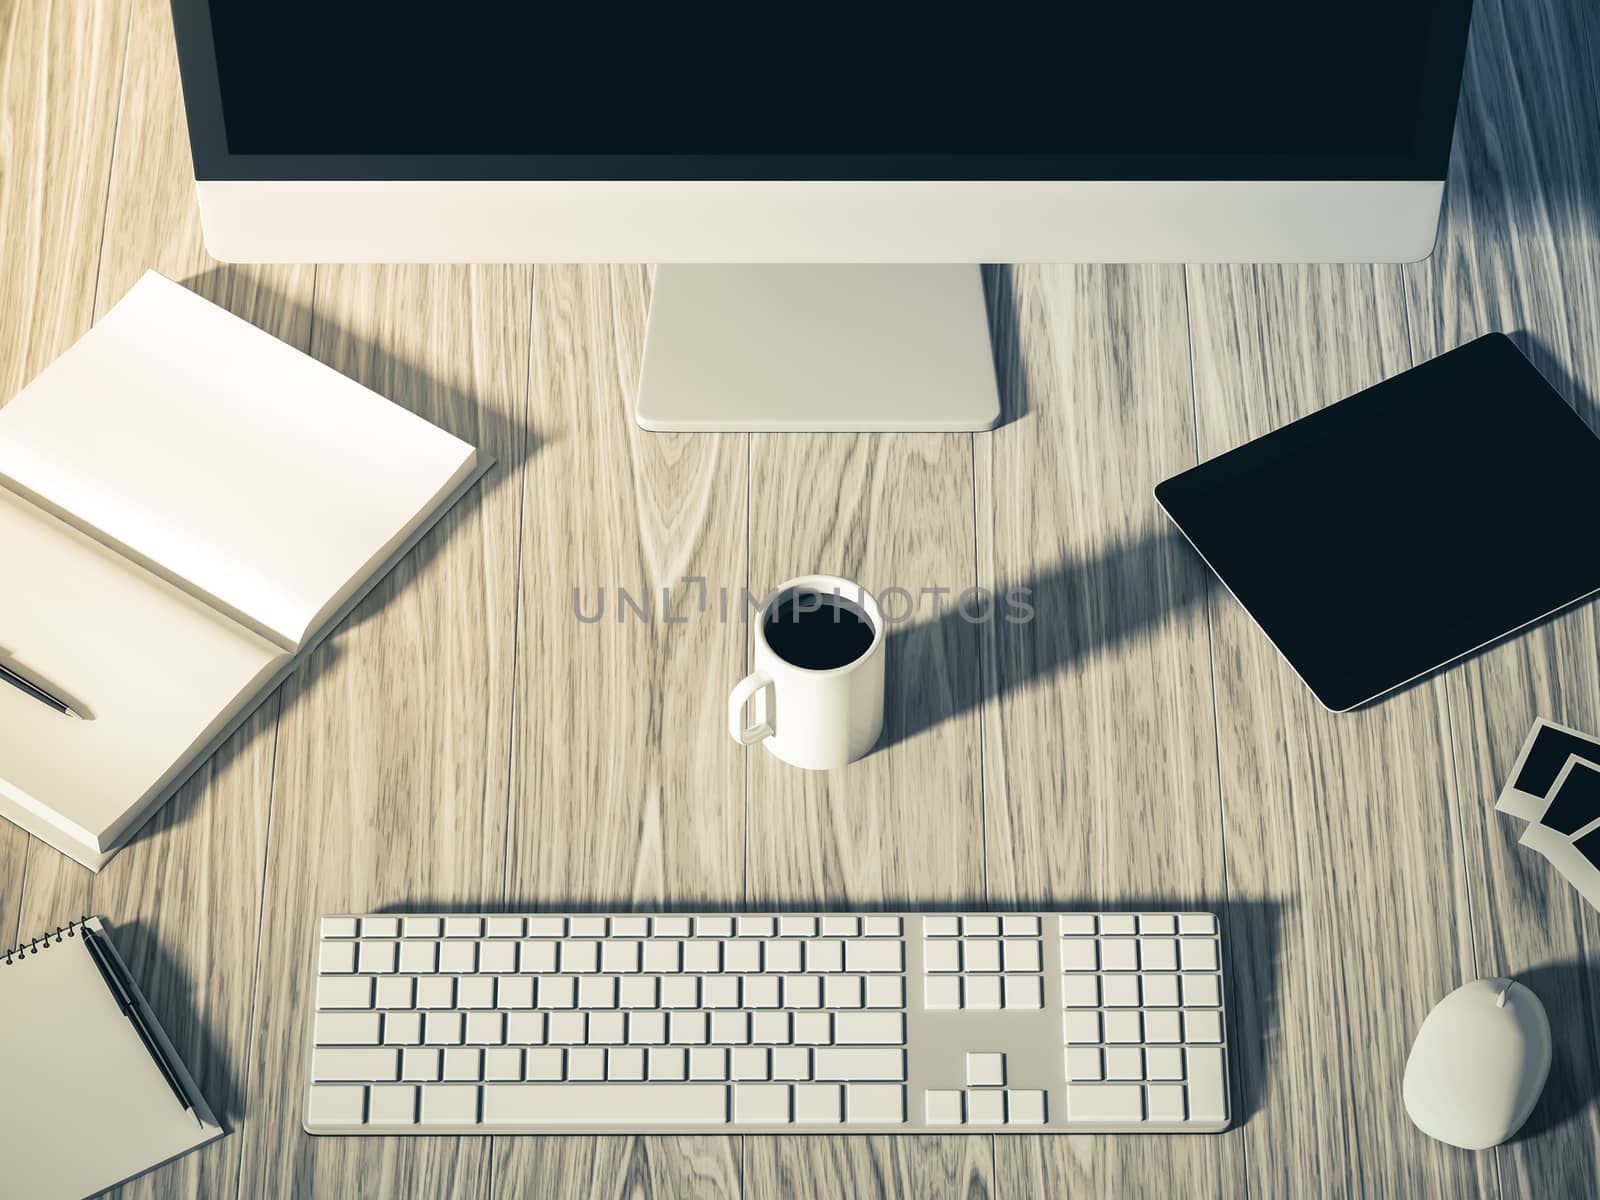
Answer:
[(764, 1022)]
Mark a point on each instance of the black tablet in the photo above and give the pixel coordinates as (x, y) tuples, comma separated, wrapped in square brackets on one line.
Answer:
[(1405, 526)]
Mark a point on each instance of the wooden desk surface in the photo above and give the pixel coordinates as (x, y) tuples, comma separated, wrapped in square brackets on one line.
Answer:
[(463, 741)]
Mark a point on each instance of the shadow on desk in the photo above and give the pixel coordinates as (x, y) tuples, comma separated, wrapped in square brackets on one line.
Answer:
[(1570, 992), (941, 668)]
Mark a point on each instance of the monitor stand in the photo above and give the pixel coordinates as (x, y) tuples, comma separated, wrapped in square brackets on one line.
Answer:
[(818, 348)]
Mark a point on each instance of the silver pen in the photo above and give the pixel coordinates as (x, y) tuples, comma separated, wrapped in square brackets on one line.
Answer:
[(43, 696)]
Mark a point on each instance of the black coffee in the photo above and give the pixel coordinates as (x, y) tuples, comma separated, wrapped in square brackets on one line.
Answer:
[(818, 631)]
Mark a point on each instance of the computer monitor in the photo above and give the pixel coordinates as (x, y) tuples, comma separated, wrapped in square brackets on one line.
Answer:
[(879, 151)]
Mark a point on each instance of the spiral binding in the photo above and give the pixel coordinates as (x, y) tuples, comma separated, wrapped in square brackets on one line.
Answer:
[(19, 953)]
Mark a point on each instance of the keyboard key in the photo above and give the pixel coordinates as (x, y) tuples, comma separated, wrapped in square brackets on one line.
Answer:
[(380, 927), (802, 991), (459, 958), (566, 1029), (941, 993), (666, 1062), (1197, 923), (419, 958), (713, 927), (422, 927), (558, 991), (608, 1028), (499, 958), (504, 927), (1162, 1027), (463, 1064), (880, 926), (1083, 1063), (1198, 954), (886, 991), (869, 1029), (1077, 925), (647, 1028), (843, 991), (719, 991), (702, 956), (580, 956), (1119, 954), (352, 992), (943, 1108), (986, 1107), (982, 925), (486, 1028), (586, 927), (342, 1106), (761, 1104), (834, 925), (769, 1028), (586, 1063), (1022, 991), (475, 991), (982, 991), (1203, 1025), (1015, 926), (797, 927), (1080, 1027), (1160, 991), (514, 991), (1080, 991), (874, 956), (941, 956), (544, 1063), (1202, 991), (620, 1106), (1124, 1062), (1208, 1095), (547, 927), (760, 927), (986, 1069), (347, 1028), (1020, 956), (741, 956), (663, 957), (875, 1104), (1105, 1102), (750, 1062), (730, 1028), (637, 991), (1119, 991), (396, 992), (630, 927), (338, 927), (680, 991), (446, 1105), (858, 1062), (812, 1029), (981, 954), (687, 1028), (818, 1103), (625, 1062), (1164, 1103), (536, 957), (1079, 954), (1158, 954), (760, 991), (502, 1062), (338, 1064), (424, 1064), (1163, 1062), (1119, 923), (436, 992), (443, 1028), (781, 956), (463, 927), (525, 1028), (620, 957), (941, 926), (1120, 1026), (672, 927), (825, 954), (392, 1104), (708, 1062), (402, 1029), (337, 958), (791, 1062), (597, 991), (1025, 1108)]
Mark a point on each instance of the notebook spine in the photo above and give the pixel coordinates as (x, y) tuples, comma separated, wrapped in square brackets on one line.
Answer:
[(18, 953)]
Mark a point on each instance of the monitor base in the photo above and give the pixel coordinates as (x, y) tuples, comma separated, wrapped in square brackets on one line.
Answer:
[(808, 348)]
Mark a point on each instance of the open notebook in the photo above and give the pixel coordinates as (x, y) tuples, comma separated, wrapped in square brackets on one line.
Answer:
[(187, 505), (86, 1103)]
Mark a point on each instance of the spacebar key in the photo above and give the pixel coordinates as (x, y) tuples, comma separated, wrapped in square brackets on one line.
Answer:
[(605, 1104)]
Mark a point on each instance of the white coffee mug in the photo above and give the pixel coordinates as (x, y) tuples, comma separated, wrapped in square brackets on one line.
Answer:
[(816, 719)]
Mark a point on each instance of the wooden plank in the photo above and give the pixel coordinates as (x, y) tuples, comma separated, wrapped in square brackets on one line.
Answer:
[(390, 785), (1344, 824), (625, 791), (1099, 751), (60, 79), (196, 962), (903, 827), (1518, 253)]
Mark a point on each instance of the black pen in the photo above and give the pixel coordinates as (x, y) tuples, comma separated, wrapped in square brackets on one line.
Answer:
[(24, 684), (130, 1009)]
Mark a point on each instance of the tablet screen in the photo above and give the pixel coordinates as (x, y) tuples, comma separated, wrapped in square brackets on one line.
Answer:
[(1410, 524)]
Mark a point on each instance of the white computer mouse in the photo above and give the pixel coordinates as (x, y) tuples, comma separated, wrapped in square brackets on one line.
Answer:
[(1479, 1063)]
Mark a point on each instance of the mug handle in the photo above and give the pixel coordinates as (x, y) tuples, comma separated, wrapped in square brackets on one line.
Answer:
[(751, 684)]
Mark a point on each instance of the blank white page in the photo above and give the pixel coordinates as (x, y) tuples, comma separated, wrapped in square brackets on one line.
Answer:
[(83, 1105), (158, 672), (234, 462)]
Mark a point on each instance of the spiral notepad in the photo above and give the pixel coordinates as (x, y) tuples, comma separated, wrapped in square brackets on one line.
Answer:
[(83, 1052)]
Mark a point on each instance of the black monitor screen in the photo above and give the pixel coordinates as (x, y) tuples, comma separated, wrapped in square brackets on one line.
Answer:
[(1358, 89)]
